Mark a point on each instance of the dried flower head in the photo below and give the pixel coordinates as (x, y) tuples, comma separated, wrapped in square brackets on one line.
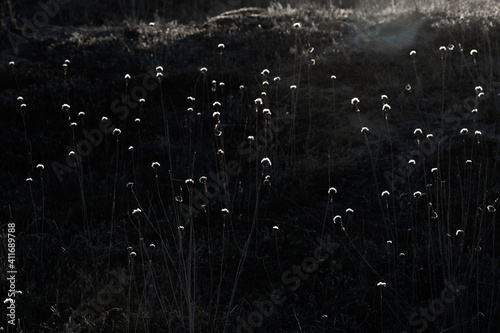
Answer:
[(417, 194), (381, 284), (473, 52), (417, 131), (203, 70), (478, 133), (65, 107), (385, 194), (442, 48), (332, 190), (337, 219), (459, 232), (81, 114), (117, 132), (136, 211), (293, 87), (386, 107), (40, 166), (203, 179), (267, 112), (473, 111), (189, 181), (365, 130), (224, 211), (413, 52), (275, 227), (221, 46), (127, 77), (412, 162), (265, 72), (11, 63), (297, 25), (349, 210), (216, 114), (383, 97), (491, 209), (258, 101), (434, 170), (266, 162), (333, 77), (464, 131), (155, 165), (355, 101)]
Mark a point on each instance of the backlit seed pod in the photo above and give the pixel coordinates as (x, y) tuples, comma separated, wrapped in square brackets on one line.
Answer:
[(11, 63), (29, 180), (216, 104), (117, 132), (417, 194), (413, 52), (473, 111), (265, 72), (442, 48), (293, 87), (417, 131), (65, 107), (203, 179), (333, 77), (383, 97), (354, 101), (73, 124), (216, 114), (332, 190), (127, 77), (297, 25), (386, 107), (251, 138), (459, 232), (81, 114), (491, 209), (155, 165), (473, 52), (136, 212), (181, 227), (464, 131), (142, 100), (130, 148), (478, 133), (159, 69), (220, 152), (276, 79), (429, 136), (478, 89), (385, 194), (266, 162), (203, 70), (412, 162), (337, 219), (267, 112), (365, 130), (258, 101), (434, 170), (221, 46), (189, 181), (191, 98), (224, 211), (349, 210), (275, 227), (20, 98), (40, 166), (381, 284)]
